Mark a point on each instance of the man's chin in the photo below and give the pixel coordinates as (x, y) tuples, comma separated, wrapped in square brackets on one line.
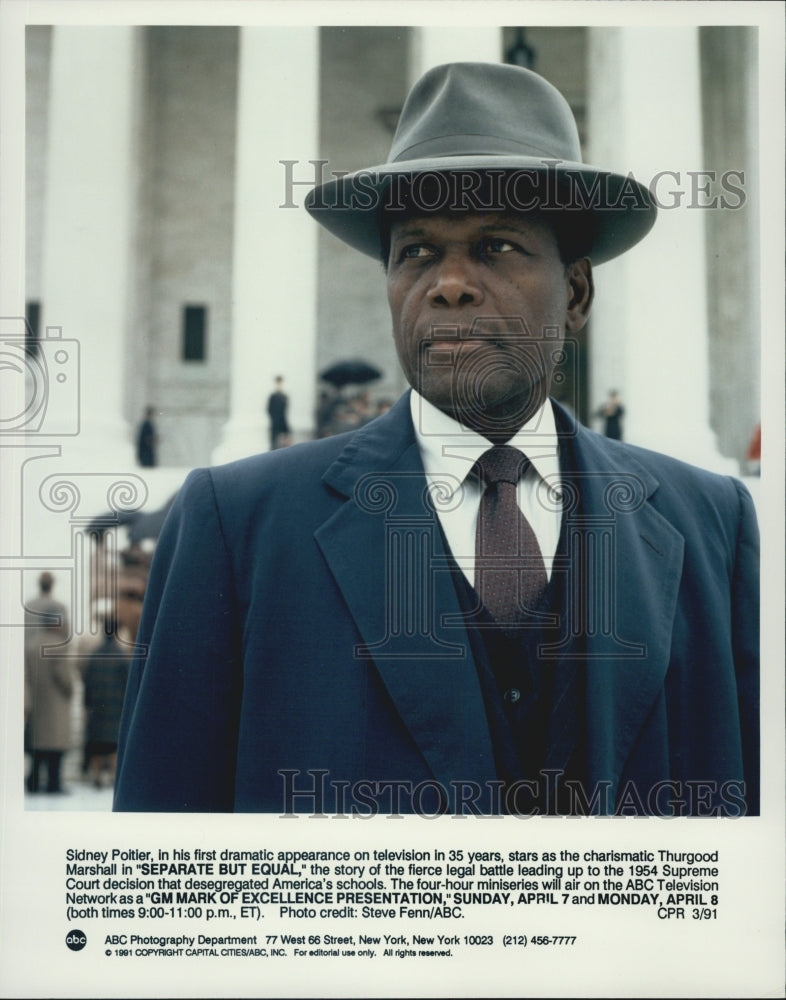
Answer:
[(503, 415)]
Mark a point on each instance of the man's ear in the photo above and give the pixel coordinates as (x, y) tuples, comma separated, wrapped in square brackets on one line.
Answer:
[(581, 292)]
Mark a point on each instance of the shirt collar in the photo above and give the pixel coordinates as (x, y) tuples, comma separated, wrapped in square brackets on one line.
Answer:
[(449, 450)]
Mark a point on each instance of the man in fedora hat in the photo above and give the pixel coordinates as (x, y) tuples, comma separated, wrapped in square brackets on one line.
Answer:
[(472, 604)]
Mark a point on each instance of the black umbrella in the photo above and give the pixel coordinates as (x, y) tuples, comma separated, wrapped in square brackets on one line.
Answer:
[(351, 372), (111, 519), (149, 525), (141, 524)]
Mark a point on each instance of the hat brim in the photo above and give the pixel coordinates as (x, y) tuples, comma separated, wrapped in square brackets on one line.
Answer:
[(621, 209)]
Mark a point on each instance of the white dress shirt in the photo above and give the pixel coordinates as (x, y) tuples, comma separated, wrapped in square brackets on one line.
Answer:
[(449, 451)]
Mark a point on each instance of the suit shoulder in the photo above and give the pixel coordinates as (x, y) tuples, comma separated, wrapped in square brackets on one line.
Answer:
[(299, 462), (600, 453), (686, 487), (287, 481), (675, 469)]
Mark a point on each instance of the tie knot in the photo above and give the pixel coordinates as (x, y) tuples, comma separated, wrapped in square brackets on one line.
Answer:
[(502, 464)]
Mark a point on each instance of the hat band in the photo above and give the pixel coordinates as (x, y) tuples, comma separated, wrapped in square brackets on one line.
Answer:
[(480, 145)]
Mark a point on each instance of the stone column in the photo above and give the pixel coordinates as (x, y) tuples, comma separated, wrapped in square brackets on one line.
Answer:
[(275, 264), (432, 46), (731, 145), (650, 336), (89, 232)]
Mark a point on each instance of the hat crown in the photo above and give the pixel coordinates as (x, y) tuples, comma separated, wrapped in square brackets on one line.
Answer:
[(468, 117), (485, 109)]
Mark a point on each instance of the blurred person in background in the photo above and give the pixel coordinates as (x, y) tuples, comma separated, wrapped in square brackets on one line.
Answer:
[(106, 674), (277, 406), (49, 687), (612, 413), (147, 441)]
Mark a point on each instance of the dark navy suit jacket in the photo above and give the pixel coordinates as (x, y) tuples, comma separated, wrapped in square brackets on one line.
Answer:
[(300, 618)]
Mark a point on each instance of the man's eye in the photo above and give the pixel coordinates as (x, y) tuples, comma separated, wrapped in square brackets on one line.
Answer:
[(494, 244), (415, 250)]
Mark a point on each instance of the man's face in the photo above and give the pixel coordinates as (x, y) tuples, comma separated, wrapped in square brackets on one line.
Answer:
[(480, 304)]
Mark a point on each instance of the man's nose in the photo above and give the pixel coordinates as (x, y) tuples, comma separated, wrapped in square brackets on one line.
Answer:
[(456, 282)]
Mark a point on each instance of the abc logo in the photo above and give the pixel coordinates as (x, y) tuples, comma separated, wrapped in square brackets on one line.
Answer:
[(76, 940)]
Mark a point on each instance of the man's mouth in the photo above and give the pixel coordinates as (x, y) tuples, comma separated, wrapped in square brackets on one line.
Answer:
[(453, 343)]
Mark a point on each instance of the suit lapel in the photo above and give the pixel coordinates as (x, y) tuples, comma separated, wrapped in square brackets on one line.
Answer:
[(384, 549), (623, 572)]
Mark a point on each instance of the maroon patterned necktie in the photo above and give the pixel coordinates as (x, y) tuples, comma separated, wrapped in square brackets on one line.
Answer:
[(509, 572)]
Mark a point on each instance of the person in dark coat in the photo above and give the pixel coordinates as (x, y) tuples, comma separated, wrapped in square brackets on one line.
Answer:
[(105, 681), (612, 413), (106, 676), (321, 634), (147, 441), (277, 405), (49, 687)]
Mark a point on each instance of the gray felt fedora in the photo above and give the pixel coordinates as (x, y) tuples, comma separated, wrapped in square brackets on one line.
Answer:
[(500, 123)]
